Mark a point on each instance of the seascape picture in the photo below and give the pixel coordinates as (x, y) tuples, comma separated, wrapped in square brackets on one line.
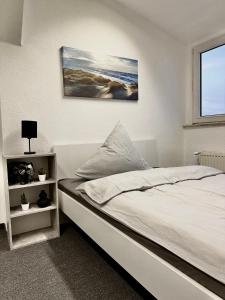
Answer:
[(92, 75)]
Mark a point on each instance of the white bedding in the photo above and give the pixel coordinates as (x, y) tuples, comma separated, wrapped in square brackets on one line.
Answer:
[(182, 209)]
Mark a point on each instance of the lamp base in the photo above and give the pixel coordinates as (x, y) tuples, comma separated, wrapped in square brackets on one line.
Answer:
[(29, 152)]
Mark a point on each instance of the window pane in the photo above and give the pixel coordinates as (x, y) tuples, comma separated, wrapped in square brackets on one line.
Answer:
[(213, 82)]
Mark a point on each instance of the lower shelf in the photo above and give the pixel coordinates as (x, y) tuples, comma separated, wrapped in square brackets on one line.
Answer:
[(33, 237), (18, 212)]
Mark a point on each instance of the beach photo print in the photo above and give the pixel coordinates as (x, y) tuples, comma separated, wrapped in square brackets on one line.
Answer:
[(93, 75)]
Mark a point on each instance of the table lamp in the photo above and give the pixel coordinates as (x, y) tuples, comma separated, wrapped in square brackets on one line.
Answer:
[(29, 131)]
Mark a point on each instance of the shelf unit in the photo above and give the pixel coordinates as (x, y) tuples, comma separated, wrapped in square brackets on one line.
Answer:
[(36, 224)]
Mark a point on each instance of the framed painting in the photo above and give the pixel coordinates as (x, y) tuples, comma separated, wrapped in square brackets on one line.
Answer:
[(91, 75)]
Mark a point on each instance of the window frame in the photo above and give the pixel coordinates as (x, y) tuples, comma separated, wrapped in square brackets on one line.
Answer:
[(196, 81)]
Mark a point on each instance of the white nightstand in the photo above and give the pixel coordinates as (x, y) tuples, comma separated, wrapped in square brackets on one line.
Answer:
[(36, 224)]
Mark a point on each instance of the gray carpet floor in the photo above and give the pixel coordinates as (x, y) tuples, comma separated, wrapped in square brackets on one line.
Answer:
[(70, 267)]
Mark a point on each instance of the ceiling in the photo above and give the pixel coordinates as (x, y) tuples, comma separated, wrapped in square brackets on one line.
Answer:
[(188, 20)]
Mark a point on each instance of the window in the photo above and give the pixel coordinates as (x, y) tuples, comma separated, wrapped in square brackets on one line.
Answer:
[(209, 81)]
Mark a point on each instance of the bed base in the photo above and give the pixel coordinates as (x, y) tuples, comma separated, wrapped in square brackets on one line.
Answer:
[(156, 275)]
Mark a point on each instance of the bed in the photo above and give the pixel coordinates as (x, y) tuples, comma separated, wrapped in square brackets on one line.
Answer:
[(161, 272)]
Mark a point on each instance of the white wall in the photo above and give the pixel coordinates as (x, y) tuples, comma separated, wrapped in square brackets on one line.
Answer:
[(31, 81), (198, 139), (11, 14)]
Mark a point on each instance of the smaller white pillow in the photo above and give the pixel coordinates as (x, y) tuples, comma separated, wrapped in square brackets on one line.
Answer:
[(116, 155)]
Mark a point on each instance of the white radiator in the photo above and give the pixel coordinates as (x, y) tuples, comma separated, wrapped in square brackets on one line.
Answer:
[(212, 159)]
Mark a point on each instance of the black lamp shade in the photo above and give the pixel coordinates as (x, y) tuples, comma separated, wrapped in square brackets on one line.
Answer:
[(29, 129)]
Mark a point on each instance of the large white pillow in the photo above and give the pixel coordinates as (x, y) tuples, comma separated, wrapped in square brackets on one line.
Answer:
[(116, 155)]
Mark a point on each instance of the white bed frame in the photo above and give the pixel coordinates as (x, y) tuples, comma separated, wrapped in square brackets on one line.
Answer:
[(159, 277)]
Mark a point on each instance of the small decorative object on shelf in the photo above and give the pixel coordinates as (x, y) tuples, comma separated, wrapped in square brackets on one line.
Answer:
[(20, 172), (42, 174), (43, 200), (24, 202)]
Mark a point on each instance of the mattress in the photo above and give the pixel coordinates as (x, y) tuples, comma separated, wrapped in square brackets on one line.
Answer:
[(69, 187), (180, 208)]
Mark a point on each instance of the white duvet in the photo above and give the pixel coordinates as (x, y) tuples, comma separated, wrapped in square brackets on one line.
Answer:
[(182, 209)]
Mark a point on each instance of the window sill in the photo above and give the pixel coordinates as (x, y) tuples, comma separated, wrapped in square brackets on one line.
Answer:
[(209, 124)]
